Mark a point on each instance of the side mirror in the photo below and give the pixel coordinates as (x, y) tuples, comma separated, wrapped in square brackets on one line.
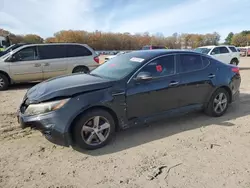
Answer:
[(12, 58), (143, 76), (212, 53)]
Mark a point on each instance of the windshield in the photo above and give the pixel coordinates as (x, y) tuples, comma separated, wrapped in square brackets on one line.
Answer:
[(119, 67), (203, 50)]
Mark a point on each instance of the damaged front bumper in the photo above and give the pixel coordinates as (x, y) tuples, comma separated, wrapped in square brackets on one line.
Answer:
[(49, 124)]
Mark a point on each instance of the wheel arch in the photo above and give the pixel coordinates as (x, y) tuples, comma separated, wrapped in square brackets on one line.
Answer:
[(235, 58), (99, 107), (78, 66), (6, 74), (223, 87)]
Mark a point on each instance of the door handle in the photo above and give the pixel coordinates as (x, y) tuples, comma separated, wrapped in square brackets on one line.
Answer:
[(46, 64), (211, 76), (174, 83), (37, 65)]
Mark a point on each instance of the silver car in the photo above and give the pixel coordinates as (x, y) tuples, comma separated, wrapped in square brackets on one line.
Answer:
[(38, 62)]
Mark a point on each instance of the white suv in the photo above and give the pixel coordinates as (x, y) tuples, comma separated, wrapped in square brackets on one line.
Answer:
[(224, 53)]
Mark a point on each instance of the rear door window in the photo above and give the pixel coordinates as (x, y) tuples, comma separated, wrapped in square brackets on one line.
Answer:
[(190, 62), (77, 51), (52, 51), (205, 61), (223, 50)]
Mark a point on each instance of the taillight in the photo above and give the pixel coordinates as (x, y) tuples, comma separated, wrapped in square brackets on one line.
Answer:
[(236, 70), (96, 59)]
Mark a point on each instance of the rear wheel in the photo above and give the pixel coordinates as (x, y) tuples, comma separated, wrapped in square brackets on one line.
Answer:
[(234, 62), (81, 70), (94, 129), (218, 103), (4, 82)]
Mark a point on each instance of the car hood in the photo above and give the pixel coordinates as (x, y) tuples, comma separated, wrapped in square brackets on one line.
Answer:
[(66, 86)]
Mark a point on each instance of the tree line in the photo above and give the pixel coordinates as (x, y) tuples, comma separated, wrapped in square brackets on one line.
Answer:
[(125, 41), (239, 39)]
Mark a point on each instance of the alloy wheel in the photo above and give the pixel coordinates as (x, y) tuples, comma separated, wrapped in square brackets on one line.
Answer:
[(1, 83), (95, 131), (220, 103)]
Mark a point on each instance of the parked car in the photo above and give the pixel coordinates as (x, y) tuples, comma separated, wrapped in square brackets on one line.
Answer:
[(224, 53), (37, 62), (243, 51), (11, 48), (152, 47), (248, 50), (112, 56), (85, 110)]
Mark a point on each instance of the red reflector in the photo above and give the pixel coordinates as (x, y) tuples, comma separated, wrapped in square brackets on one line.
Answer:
[(96, 59), (236, 70)]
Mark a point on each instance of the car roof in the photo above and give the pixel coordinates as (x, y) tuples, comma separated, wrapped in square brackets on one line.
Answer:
[(212, 46), (150, 54), (47, 44)]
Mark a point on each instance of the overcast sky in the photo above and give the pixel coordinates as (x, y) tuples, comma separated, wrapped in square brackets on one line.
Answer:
[(45, 17)]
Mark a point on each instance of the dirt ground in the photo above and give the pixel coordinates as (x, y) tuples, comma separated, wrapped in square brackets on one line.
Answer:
[(189, 151)]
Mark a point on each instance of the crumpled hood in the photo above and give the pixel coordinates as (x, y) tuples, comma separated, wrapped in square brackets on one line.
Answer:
[(66, 86)]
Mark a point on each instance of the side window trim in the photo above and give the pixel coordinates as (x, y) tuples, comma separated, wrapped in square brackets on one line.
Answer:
[(179, 73), (175, 67), (202, 56)]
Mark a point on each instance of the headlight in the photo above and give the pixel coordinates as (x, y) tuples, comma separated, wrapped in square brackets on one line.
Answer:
[(41, 108)]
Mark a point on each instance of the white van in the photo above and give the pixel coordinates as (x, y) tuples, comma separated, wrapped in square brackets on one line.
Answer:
[(38, 62)]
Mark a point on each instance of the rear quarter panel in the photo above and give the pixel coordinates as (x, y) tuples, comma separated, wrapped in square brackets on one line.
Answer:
[(87, 61), (226, 77)]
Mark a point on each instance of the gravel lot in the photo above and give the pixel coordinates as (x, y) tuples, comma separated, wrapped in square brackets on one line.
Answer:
[(189, 151)]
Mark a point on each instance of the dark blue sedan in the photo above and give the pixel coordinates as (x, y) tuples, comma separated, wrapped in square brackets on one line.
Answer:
[(131, 89)]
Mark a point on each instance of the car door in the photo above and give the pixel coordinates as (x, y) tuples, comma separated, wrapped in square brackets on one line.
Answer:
[(222, 54), (53, 60), (156, 95), (197, 79), (25, 65)]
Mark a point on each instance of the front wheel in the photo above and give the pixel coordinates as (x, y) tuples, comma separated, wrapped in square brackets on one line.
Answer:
[(218, 103), (94, 129), (4, 82)]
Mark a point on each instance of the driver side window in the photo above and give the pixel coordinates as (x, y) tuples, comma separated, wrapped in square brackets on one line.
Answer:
[(163, 66), (26, 54)]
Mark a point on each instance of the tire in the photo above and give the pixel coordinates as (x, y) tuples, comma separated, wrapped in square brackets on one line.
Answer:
[(81, 70), (234, 62), (4, 82), (85, 137), (214, 101)]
